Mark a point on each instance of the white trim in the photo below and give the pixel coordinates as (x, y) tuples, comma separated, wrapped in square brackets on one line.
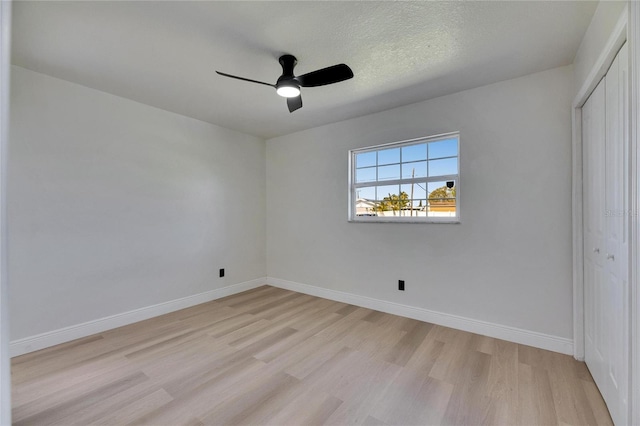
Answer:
[(67, 334), (5, 67), (598, 71), (634, 150), (576, 208), (604, 61), (499, 331), (414, 141)]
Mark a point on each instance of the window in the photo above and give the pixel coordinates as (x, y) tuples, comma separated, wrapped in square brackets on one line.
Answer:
[(410, 181)]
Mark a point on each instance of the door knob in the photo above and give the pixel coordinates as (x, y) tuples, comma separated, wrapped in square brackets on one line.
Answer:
[(596, 250), (610, 257)]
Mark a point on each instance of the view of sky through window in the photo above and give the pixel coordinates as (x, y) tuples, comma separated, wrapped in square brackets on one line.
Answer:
[(430, 159)]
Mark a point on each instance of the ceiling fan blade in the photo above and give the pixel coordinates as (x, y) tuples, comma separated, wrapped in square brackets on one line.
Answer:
[(294, 103), (245, 79), (329, 75)]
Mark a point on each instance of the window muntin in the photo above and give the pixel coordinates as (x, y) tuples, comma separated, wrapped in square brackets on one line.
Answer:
[(411, 181)]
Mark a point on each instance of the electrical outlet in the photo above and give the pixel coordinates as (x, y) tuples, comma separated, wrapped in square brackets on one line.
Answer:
[(221, 272), (401, 285)]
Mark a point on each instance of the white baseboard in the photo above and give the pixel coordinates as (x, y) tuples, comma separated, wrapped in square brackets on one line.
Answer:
[(511, 334), (67, 334)]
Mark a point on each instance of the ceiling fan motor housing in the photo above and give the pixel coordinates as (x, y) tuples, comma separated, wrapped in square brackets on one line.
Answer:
[(287, 85), (288, 62)]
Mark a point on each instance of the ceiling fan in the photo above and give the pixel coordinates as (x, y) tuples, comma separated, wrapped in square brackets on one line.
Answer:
[(288, 85)]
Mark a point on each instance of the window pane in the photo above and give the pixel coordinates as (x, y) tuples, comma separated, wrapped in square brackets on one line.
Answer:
[(391, 201), (432, 186), (419, 190), (367, 174), (417, 203), (365, 204), (366, 159), (414, 153), (446, 148), (419, 168), (421, 207), (387, 191), (368, 193), (389, 172), (389, 156), (448, 166), (442, 199)]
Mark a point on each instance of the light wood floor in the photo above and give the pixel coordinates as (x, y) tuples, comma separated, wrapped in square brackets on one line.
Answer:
[(271, 356)]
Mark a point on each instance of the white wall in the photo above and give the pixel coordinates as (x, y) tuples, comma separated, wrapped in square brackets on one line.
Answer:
[(508, 262), (600, 29), (115, 205)]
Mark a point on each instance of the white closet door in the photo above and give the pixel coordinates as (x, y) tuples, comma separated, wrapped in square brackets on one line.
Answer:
[(593, 142), (616, 224), (606, 251)]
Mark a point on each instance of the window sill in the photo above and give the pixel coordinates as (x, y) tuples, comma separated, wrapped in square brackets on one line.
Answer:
[(455, 221)]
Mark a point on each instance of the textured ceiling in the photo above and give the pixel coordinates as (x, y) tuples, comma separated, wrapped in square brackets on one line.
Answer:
[(164, 53)]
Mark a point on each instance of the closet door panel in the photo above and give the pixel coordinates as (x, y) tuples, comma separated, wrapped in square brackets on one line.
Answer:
[(593, 131), (617, 219)]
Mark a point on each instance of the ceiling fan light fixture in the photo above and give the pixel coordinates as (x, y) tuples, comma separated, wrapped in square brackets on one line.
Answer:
[(288, 90)]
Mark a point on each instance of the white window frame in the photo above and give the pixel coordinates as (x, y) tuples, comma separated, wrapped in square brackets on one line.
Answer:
[(353, 186)]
